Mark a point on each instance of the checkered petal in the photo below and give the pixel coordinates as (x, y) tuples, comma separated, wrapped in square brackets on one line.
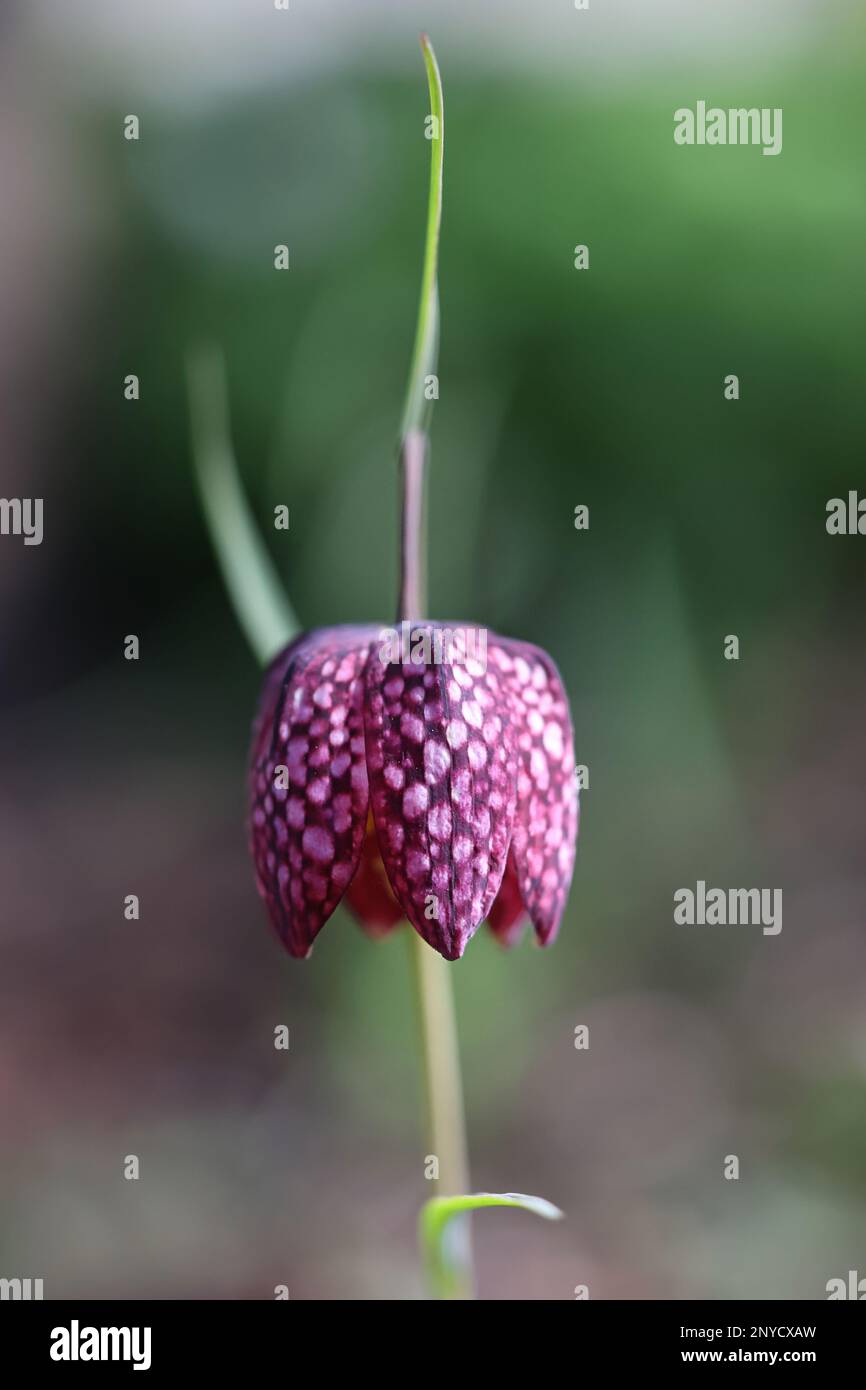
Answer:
[(308, 780), (442, 762), (545, 824)]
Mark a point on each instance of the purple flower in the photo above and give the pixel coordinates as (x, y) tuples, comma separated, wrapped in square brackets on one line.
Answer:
[(438, 789)]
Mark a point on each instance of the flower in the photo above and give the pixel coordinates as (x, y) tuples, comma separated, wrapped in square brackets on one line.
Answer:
[(439, 789)]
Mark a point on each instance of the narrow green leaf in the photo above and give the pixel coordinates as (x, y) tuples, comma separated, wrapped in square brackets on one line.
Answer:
[(250, 576), (424, 354), (438, 1227)]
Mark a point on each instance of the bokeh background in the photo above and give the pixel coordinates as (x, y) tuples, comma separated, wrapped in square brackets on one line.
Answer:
[(558, 388)]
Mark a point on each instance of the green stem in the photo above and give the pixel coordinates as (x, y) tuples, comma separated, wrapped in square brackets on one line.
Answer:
[(445, 1116), (412, 603), (437, 1021)]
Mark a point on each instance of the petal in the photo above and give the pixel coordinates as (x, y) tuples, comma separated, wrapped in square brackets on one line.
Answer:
[(308, 780), (442, 763), (545, 824), (507, 916), (369, 894)]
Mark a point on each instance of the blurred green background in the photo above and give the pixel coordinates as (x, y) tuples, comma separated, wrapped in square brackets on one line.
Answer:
[(558, 387)]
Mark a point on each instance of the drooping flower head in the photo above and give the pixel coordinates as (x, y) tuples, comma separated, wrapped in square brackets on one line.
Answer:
[(428, 783)]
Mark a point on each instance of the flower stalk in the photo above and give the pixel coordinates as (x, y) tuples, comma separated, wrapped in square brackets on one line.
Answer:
[(413, 538), (446, 1124), (445, 1112)]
